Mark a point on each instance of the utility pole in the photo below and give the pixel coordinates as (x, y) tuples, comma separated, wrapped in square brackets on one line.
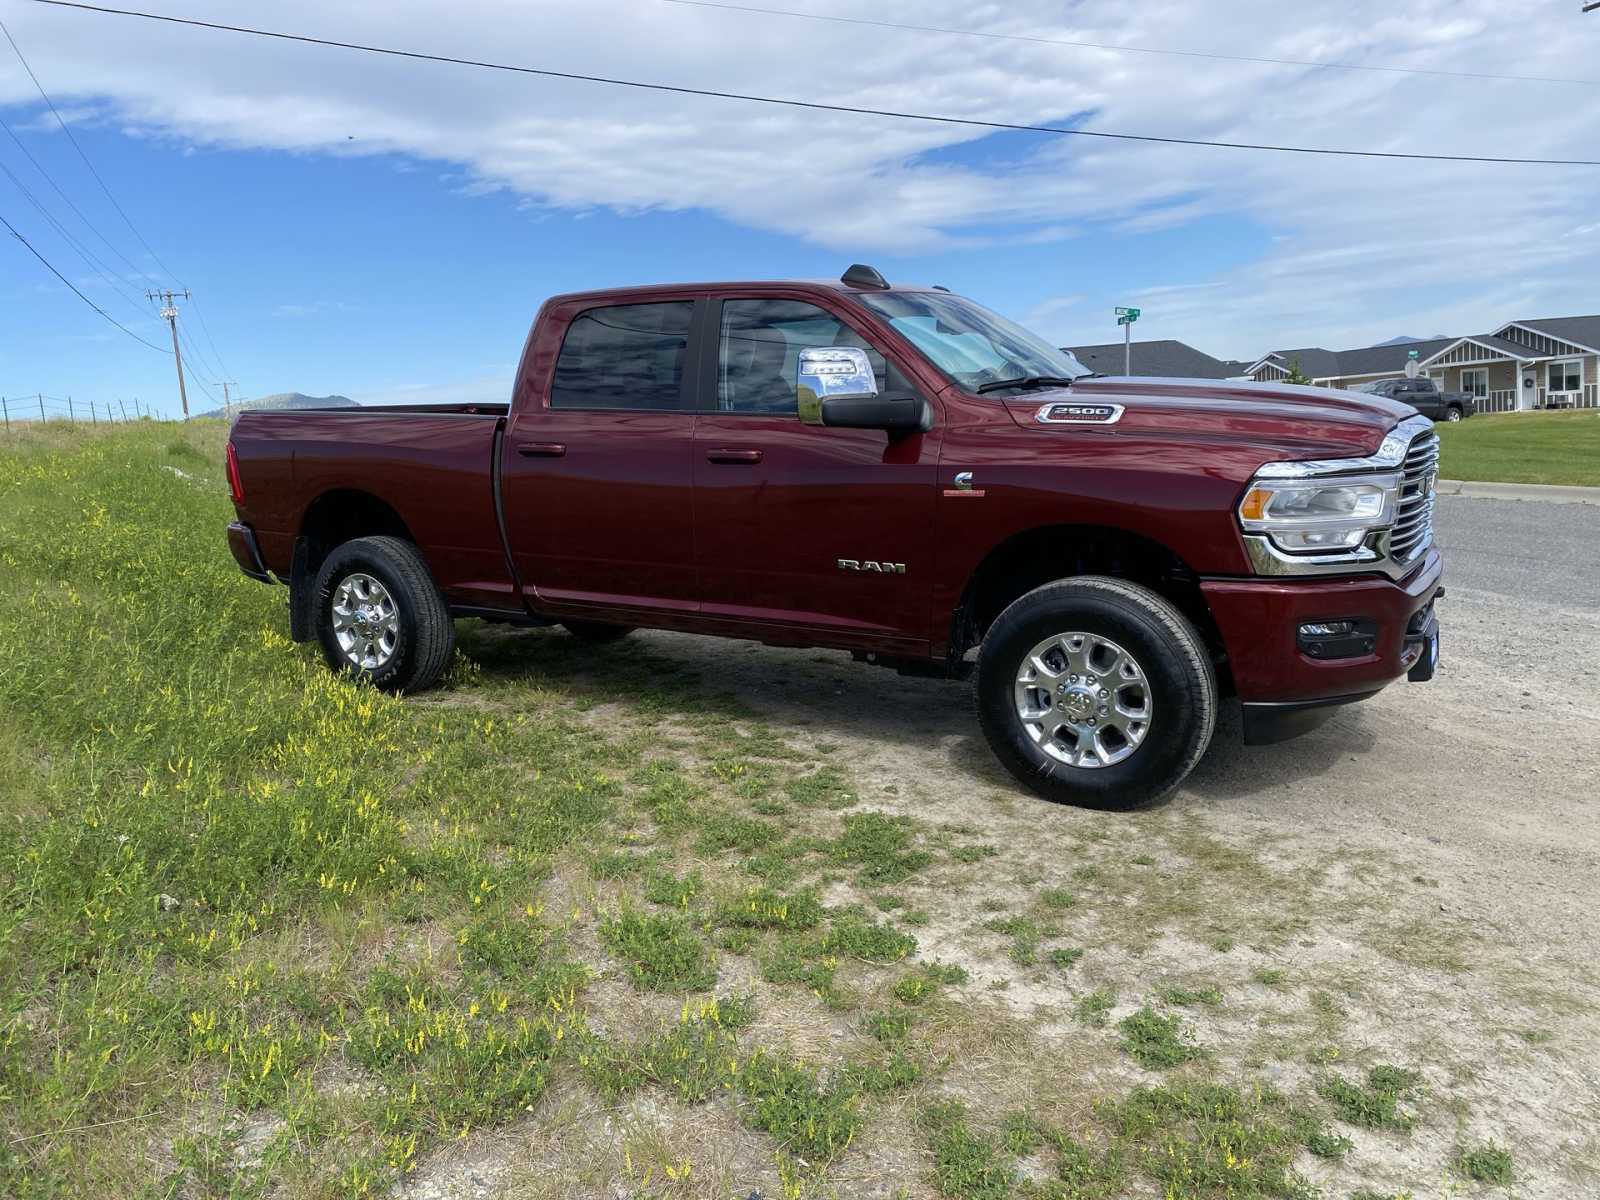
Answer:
[(41, 408), (227, 401), (169, 309), (6, 410), (124, 409), (72, 413)]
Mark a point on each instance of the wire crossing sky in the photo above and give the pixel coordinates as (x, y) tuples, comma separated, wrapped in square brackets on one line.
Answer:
[(859, 110)]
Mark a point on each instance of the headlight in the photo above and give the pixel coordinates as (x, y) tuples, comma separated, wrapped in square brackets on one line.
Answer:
[(1324, 516)]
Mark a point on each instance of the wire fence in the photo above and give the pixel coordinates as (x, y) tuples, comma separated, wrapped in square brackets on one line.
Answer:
[(17, 411)]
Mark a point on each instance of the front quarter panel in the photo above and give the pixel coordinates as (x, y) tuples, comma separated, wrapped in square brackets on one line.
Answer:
[(1179, 492)]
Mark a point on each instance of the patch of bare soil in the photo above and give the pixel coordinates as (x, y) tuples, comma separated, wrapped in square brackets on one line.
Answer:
[(1412, 884)]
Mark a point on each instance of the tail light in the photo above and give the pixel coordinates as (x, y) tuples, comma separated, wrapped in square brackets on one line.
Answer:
[(235, 487)]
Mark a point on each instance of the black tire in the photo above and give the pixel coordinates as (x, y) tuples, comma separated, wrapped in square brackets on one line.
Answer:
[(425, 636), (1453, 413), (597, 632), (1182, 685)]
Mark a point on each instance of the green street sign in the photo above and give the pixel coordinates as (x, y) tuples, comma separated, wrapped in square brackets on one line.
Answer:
[(1124, 320), (1132, 314)]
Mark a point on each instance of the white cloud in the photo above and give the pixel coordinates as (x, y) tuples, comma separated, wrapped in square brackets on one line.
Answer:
[(1354, 250)]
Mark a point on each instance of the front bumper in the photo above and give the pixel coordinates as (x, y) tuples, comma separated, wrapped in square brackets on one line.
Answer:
[(242, 541), (1259, 620)]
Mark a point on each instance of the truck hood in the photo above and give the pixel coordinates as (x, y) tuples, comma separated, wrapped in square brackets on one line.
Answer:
[(1281, 421)]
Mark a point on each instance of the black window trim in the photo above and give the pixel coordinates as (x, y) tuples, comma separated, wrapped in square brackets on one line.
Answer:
[(687, 385)]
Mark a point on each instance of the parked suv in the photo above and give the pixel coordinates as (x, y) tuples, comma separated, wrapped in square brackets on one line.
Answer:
[(1423, 394), (894, 471)]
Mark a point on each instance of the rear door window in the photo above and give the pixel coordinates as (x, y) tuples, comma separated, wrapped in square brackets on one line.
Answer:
[(624, 356)]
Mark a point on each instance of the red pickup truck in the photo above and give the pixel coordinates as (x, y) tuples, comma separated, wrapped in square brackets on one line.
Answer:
[(893, 471)]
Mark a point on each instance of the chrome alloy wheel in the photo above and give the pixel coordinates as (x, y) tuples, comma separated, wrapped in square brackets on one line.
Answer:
[(1083, 699), (365, 621)]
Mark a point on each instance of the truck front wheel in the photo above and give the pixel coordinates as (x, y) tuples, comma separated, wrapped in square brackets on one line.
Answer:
[(380, 617), (1096, 692)]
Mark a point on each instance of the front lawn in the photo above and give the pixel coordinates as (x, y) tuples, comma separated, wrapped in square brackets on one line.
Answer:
[(1536, 447)]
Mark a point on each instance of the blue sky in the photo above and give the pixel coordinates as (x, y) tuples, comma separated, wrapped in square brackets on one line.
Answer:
[(387, 230)]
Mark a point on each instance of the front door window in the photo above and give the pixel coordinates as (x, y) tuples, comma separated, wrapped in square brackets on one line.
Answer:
[(760, 348)]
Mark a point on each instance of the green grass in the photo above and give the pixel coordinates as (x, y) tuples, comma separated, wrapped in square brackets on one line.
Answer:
[(1378, 1104), (660, 951), (1095, 1007), (1537, 447), (968, 1165), (1157, 1042), (1486, 1164)]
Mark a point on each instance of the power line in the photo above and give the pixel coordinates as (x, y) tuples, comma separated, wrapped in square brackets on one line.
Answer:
[(121, 212), (75, 290), (92, 260), (48, 178), (818, 106), (68, 131), (206, 329), (1125, 49)]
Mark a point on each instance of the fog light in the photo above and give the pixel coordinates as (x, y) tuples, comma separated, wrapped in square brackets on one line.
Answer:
[(1326, 628), (1352, 638)]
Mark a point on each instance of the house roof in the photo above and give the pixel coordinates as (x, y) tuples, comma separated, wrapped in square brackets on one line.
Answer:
[(1498, 344), (1390, 359), (1318, 363), (1314, 361), (1585, 331), (1166, 358), (1373, 360)]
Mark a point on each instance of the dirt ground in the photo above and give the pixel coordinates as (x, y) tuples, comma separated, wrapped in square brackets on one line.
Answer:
[(1478, 792), (1487, 779), (1413, 884)]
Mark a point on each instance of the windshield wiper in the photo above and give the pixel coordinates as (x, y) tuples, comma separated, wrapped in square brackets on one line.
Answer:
[(1026, 381)]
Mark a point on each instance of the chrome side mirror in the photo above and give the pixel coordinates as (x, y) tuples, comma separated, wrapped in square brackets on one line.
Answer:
[(826, 372)]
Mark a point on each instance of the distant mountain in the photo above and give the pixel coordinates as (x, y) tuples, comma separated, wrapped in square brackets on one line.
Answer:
[(1404, 340), (288, 400)]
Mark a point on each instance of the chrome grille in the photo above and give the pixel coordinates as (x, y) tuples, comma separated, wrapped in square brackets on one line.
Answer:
[(1413, 526)]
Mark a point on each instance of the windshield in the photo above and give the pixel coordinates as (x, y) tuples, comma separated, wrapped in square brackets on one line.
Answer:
[(970, 344)]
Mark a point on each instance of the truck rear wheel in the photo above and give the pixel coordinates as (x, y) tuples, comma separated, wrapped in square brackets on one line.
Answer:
[(380, 617), (1096, 692), (596, 631)]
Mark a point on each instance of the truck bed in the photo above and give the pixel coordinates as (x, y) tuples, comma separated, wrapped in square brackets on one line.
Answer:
[(429, 465)]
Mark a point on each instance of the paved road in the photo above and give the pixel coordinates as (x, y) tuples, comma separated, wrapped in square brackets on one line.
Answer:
[(1522, 549)]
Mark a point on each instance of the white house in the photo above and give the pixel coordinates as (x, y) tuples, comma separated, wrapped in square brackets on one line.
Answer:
[(1551, 362)]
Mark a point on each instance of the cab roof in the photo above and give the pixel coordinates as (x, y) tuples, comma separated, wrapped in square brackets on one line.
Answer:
[(858, 279)]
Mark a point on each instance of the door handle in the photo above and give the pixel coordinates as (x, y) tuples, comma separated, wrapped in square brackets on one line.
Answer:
[(729, 455), (541, 449)]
